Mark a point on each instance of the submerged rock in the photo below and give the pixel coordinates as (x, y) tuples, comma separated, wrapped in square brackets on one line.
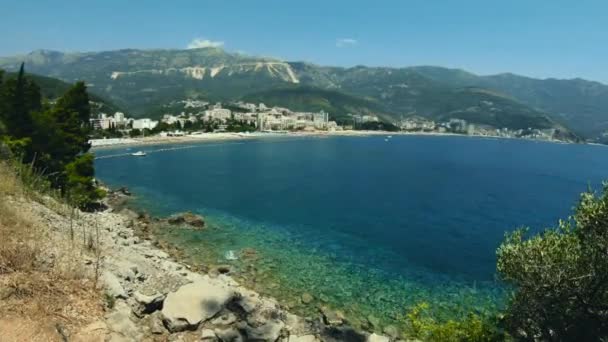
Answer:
[(391, 331), (331, 317), (194, 303), (307, 298), (188, 219)]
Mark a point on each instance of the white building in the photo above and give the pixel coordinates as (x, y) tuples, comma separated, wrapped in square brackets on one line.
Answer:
[(220, 114), (144, 124)]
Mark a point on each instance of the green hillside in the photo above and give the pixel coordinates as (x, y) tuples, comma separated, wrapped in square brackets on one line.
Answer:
[(52, 88), (139, 81), (578, 104)]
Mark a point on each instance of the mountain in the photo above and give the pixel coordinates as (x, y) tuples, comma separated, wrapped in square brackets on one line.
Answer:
[(140, 80), (579, 104)]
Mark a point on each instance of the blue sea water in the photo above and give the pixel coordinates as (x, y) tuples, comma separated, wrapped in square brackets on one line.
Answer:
[(365, 225)]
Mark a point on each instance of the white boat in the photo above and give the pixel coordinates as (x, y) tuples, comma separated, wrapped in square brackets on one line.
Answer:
[(390, 136), (139, 154)]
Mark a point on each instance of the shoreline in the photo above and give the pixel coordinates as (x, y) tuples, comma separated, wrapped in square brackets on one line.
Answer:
[(99, 144), (155, 295)]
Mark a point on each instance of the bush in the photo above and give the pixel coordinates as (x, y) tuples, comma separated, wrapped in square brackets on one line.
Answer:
[(421, 324), (560, 276)]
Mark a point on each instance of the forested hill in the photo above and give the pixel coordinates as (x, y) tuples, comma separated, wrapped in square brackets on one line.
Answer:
[(52, 88), (141, 80)]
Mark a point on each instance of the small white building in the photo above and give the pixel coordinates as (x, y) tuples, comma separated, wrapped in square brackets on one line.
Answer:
[(144, 124)]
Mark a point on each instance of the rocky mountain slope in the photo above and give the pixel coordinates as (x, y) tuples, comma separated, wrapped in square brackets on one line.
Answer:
[(139, 80)]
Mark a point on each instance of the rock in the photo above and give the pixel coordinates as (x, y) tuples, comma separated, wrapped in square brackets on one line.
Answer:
[(249, 301), (270, 331), (297, 325), (194, 303), (391, 331), (374, 322), (304, 338), (120, 324), (331, 317), (208, 335), (155, 323), (307, 298), (155, 253), (147, 304), (342, 333), (229, 335), (112, 285), (377, 338), (126, 270), (187, 218), (122, 191), (224, 320)]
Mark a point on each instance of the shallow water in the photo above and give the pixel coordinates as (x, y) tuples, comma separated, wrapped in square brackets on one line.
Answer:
[(364, 225)]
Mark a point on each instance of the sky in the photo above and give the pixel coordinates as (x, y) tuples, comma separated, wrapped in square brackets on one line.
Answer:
[(537, 38)]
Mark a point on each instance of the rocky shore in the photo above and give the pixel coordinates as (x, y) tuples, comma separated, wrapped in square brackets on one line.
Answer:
[(152, 297)]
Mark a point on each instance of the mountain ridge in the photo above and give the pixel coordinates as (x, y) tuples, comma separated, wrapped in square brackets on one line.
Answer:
[(142, 79)]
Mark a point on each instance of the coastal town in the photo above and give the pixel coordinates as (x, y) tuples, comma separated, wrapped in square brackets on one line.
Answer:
[(197, 118)]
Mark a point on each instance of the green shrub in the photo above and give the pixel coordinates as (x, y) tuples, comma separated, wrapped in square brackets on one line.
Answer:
[(421, 324), (560, 276)]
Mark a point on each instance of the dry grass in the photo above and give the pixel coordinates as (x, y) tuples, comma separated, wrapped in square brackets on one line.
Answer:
[(43, 284)]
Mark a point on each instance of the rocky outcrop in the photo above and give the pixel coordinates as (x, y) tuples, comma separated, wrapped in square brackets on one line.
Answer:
[(151, 297), (194, 303), (112, 285), (187, 219)]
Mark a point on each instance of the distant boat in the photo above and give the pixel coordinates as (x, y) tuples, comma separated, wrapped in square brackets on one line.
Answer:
[(139, 154), (385, 139), (390, 136)]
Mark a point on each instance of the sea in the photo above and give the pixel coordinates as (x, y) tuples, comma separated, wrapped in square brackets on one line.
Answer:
[(369, 226)]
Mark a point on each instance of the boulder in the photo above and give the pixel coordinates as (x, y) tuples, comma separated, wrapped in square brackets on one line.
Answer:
[(147, 304), (270, 331), (331, 317), (112, 285), (187, 218), (120, 324), (377, 338), (227, 318), (249, 301), (194, 303), (208, 335), (229, 335)]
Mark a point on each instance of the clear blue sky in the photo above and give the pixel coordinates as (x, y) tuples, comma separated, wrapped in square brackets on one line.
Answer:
[(539, 38)]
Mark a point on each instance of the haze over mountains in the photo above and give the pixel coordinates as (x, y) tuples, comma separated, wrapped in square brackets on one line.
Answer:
[(140, 81)]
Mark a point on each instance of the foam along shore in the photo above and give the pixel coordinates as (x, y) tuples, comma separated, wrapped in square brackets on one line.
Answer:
[(154, 297), (200, 137), (212, 137)]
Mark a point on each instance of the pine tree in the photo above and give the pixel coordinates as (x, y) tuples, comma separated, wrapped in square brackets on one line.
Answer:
[(21, 98)]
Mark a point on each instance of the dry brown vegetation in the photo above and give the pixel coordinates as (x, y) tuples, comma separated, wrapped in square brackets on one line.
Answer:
[(44, 291)]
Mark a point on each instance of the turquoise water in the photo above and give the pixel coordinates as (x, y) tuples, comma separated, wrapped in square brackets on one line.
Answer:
[(364, 225)]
